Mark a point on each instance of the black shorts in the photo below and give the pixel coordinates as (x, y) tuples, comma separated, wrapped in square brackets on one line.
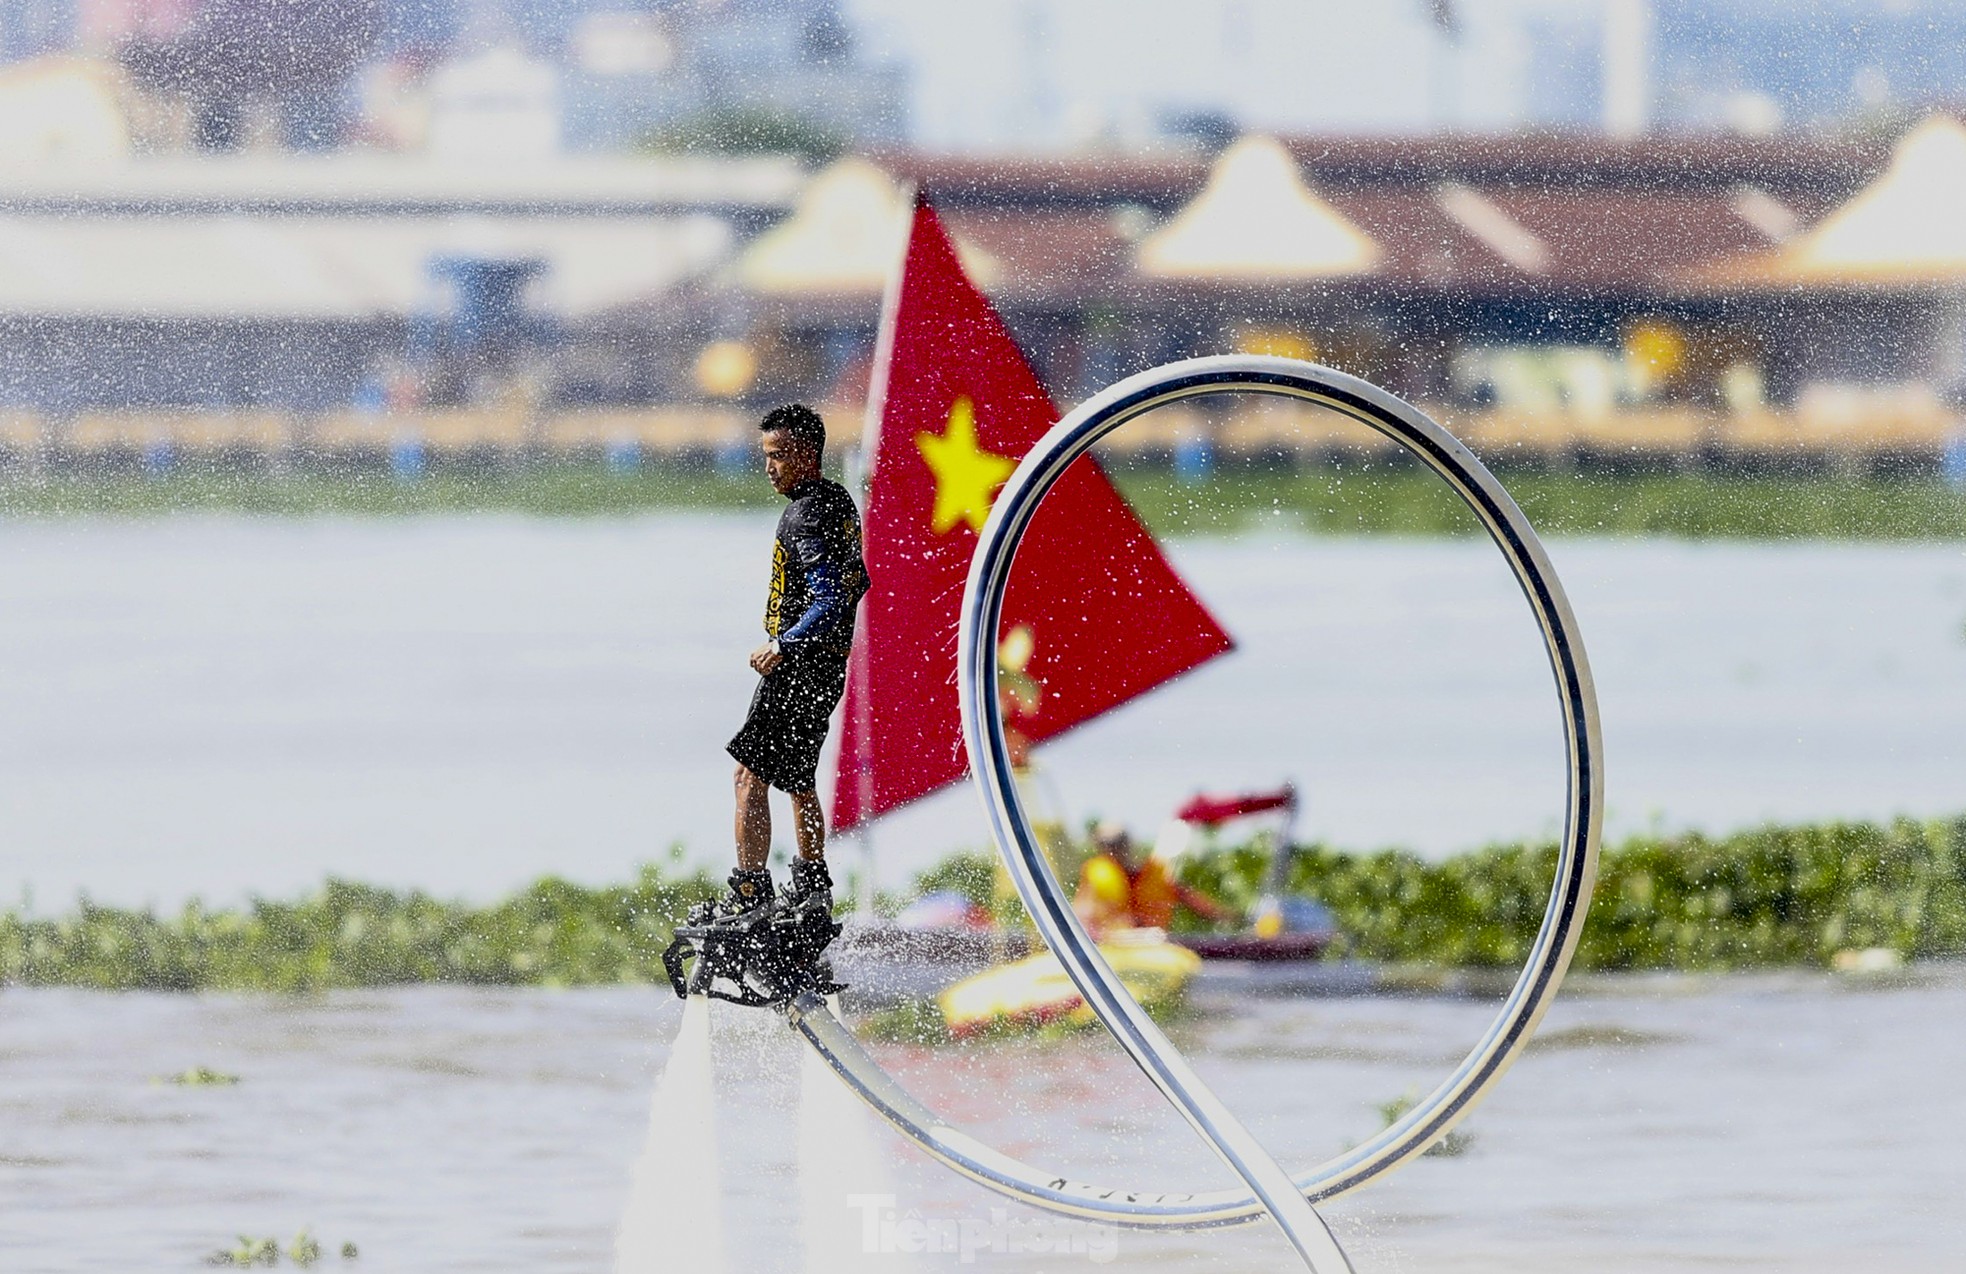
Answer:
[(790, 710)]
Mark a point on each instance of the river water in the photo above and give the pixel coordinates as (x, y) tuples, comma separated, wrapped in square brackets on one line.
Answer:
[(1789, 1123), (219, 706)]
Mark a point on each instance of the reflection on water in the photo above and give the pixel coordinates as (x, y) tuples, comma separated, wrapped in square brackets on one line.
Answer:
[(225, 705), (1773, 1122)]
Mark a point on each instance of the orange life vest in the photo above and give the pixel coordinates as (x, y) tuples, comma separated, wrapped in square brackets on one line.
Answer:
[(1145, 898)]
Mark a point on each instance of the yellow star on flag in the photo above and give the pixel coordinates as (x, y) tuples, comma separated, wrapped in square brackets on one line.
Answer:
[(966, 476)]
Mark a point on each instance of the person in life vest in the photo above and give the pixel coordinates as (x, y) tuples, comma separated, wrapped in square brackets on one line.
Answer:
[(1121, 888)]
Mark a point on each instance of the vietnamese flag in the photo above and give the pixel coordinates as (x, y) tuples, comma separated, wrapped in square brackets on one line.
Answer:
[(1094, 614)]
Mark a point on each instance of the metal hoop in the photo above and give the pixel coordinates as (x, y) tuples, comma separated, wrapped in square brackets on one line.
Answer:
[(983, 732)]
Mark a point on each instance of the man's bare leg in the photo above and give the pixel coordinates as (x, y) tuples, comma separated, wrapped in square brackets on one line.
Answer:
[(812, 884), (810, 821), (754, 821)]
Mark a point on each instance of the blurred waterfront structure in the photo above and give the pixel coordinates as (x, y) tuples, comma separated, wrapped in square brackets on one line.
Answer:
[(1039, 75), (1749, 67), (1065, 74), (1758, 65), (253, 304), (1654, 300), (584, 75)]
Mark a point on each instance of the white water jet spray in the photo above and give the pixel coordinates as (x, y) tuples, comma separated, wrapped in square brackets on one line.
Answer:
[(674, 1216), (843, 1171)]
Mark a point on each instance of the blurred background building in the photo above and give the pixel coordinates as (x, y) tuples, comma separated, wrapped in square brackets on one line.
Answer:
[(1631, 231), (223, 75)]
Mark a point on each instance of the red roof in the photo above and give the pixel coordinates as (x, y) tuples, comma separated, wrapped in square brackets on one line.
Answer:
[(1629, 240), (1792, 167), (1597, 212), (1046, 254), (1551, 213), (1103, 181), (1786, 164)]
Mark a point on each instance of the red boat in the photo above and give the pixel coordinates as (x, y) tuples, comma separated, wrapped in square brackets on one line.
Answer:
[(942, 939), (1282, 928)]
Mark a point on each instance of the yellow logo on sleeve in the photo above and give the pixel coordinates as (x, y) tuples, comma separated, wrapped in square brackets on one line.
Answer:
[(775, 602)]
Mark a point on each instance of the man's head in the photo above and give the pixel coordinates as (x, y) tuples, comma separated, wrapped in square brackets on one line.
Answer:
[(793, 438), (1109, 836)]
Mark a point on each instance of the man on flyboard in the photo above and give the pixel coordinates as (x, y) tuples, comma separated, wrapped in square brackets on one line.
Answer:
[(817, 579)]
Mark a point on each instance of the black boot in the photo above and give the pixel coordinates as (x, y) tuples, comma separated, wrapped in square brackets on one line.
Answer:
[(811, 886), (750, 891)]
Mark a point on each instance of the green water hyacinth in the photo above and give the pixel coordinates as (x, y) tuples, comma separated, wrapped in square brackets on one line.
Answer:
[(1764, 898), (1452, 1146), (1771, 896), (1382, 497), (304, 1251), (198, 1077), (554, 933), (249, 1252), (1381, 500)]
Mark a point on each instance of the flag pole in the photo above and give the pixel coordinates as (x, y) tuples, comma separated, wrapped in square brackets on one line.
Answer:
[(861, 475), (859, 470)]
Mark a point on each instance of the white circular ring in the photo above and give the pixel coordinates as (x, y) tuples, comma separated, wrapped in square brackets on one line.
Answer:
[(1576, 867)]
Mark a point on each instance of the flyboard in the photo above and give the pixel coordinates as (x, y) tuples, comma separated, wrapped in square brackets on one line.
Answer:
[(782, 967), (762, 960)]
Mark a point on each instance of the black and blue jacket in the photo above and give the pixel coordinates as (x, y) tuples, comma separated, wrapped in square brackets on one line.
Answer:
[(817, 573)]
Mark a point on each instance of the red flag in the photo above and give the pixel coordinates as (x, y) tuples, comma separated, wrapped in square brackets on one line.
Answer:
[(1094, 614)]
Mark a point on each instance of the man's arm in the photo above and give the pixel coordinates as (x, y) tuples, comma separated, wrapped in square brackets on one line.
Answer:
[(829, 610), (1202, 905)]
